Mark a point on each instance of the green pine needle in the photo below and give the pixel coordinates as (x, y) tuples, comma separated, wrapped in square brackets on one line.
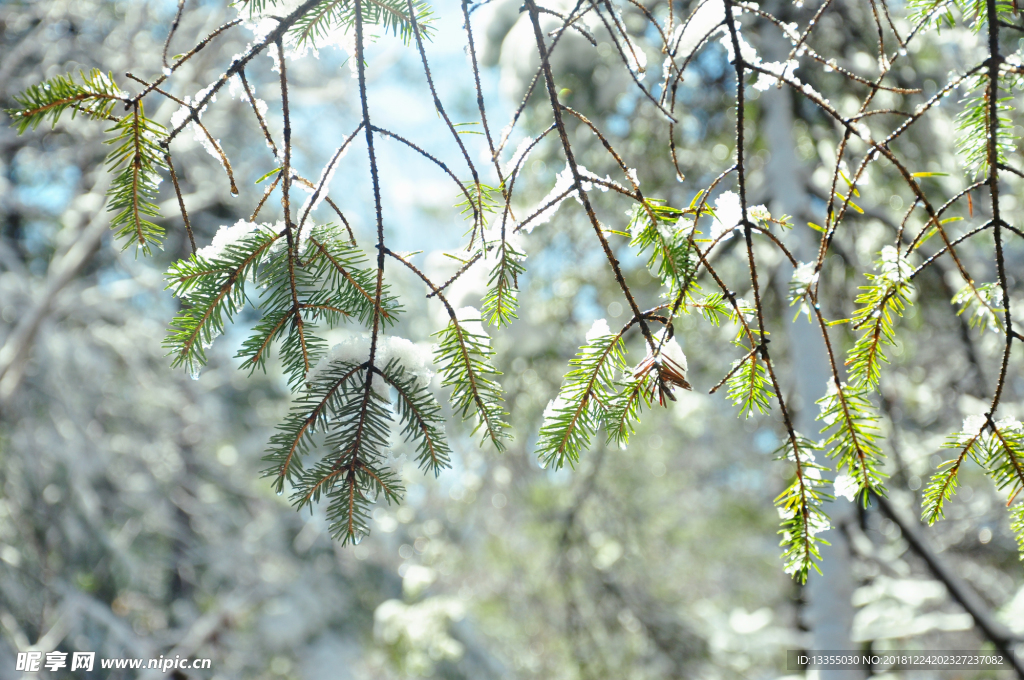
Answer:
[(883, 300), (800, 509), (749, 386), (574, 416), (667, 236), (466, 358), (501, 301), (847, 411), (422, 418), (332, 16), (624, 409)]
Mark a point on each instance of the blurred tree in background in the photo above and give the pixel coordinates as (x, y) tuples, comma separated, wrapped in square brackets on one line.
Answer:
[(134, 519)]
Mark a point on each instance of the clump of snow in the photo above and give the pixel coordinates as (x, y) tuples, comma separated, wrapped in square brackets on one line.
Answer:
[(633, 177), (333, 36), (275, 56), (671, 350), (600, 329), (709, 19), (237, 89), (804, 276), (563, 182), (806, 457), (503, 137), (973, 425), (728, 215), (184, 113), (226, 236), (780, 69), (554, 406), (206, 141), (759, 213), (803, 279), (415, 359), (180, 116), (817, 524), (748, 53), (518, 155), (845, 485), (587, 186), (470, 320), (636, 59), (706, 20), (1009, 423), (828, 401), (666, 68), (354, 349), (894, 265)]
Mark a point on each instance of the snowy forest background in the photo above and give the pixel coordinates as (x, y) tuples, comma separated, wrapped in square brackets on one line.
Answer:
[(133, 521)]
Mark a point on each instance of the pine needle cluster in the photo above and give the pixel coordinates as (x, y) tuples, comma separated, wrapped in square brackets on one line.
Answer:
[(800, 507), (589, 396), (852, 422), (464, 351), (881, 302), (664, 234), (501, 301), (998, 447), (135, 160), (331, 16)]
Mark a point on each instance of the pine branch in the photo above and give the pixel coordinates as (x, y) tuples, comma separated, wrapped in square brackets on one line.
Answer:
[(95, 98), (421, 415), (799, 507), (571, 420), (331, 288), (352, 474), (1005, 461), (999, 448), (341, 265), (884, 298), (749, 387), (133, 191), (973, 125), (942, 486), (847, 411), (625, 407), (500, 302), (1017, 526), (713, 307), (332, 16), (136, 157), (666, 232), (983, 302), (465, 356), (311, 412), (974, 13), (213, 289), (479, 199)]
